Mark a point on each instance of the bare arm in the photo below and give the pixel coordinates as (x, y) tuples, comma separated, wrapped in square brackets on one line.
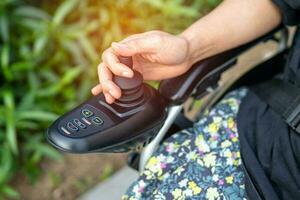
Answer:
[(159, 55), (232, 23)]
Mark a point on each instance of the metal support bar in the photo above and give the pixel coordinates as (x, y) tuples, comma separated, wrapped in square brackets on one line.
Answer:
[(154, 144), (283, 40)]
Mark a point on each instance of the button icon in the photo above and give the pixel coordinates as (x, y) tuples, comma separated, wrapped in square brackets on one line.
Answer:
[(97, 121), (78, 123), (72, 127), (87, 113)]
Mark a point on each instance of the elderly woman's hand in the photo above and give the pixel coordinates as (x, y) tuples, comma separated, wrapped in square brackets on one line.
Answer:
[(156, 55)]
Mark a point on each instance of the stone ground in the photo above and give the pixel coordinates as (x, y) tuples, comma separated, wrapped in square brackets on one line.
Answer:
[(114, 187)]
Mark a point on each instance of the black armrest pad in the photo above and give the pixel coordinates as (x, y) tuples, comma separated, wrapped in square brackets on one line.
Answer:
[(177, 90)]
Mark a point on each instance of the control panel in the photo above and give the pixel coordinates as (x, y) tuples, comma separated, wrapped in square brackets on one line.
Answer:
[(96, 126), (84, 121)]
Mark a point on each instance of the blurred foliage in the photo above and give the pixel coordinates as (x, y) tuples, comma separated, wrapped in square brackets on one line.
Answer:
[(48, 54), (107, 172)]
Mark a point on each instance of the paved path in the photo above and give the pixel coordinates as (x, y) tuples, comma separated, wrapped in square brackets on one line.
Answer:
[(112, 188)]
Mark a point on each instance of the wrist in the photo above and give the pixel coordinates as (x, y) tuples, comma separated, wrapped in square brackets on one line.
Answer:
[(200, 45), (187, 49)]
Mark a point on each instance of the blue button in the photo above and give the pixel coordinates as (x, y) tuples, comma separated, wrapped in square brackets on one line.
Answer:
[(97, 121), (78, 123), (72, 127), (87, 113)]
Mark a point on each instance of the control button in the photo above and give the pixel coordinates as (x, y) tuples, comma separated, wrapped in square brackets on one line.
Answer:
[(65, 130), (79, 124), (87, 113), (72, 127), (86, 121), (97, 121)]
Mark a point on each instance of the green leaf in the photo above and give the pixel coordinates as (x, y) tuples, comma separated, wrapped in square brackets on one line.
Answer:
[(31, 12), (34, 82), (2, 115), (28, 125), (88, 47), (5, 62), (107, 172), (63, 10), (68, 77), (31, 23), (10, 121), (4, 28), (21, 66), (27, 102), (10, 192), (11, 136), (6, 168), (37, 115), (40, 44), (45, 150), (75, 51), (7, 2)]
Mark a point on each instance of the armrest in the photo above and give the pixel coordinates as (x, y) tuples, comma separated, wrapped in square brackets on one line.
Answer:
[(206, 72)]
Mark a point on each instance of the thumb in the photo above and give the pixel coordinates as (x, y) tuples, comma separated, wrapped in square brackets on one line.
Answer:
[(136, 46)]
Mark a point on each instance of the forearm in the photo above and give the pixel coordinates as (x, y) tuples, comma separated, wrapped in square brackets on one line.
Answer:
[(232, 23)]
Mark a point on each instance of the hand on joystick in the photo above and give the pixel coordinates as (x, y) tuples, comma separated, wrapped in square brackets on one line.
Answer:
[(131, 88), (158, 55)]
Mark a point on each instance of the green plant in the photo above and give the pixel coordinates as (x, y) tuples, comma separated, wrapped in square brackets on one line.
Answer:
[(48, 54), (107, 172)]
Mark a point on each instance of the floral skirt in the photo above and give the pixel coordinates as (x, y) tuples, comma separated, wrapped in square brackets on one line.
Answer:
[(202, 162)]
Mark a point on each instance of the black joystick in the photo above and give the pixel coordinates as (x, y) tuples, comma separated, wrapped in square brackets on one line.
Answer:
[(132, 88)]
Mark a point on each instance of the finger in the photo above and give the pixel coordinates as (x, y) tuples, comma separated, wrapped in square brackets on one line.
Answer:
[(113, 90), (138, 62), (109, 99), (139, 35), (132, 37), (112, 61), (146, 44), (96, 90), (108, 86), (103, 73), (135, 36)]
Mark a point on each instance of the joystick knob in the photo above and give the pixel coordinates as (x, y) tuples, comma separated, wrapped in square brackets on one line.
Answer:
[(132, 88)]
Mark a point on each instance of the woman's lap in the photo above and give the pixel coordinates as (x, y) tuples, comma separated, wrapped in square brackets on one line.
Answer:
[(202, 162)]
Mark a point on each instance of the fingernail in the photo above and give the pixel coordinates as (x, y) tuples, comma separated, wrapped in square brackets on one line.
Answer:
[(107, 99), (127, 74), (93, 90)]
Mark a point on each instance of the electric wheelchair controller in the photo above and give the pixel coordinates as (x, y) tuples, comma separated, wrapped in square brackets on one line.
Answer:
[(142, 113), (96, 126)]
